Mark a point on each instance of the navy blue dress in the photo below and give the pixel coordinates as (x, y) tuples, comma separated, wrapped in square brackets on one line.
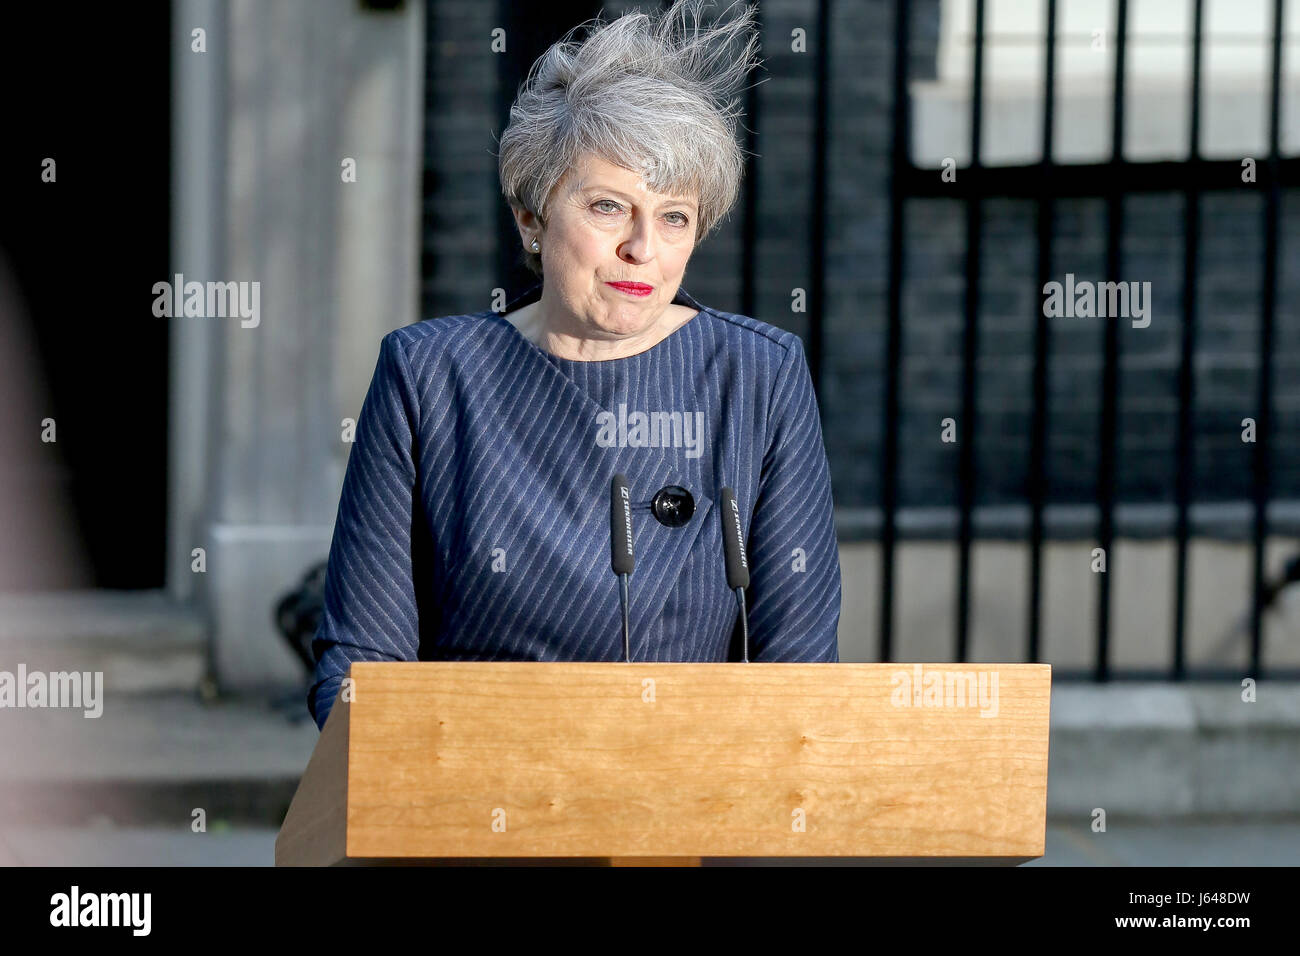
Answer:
[(474, 517)]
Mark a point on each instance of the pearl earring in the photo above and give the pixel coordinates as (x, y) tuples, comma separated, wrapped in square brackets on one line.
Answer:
[(536, 247)]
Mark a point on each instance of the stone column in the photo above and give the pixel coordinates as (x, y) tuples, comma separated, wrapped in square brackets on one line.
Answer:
[(306, 85)]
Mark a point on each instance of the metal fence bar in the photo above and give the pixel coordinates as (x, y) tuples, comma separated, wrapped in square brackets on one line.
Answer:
[(531, 28), (900, 161), (1110, 373), (749, 205), (1186, 376), (970, 351), (816, 329), (1264, 401), (1037, 484)]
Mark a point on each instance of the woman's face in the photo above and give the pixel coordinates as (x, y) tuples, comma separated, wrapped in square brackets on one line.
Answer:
[(606, 226)]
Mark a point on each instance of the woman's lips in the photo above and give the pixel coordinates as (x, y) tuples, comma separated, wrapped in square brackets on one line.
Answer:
[(638, 289)]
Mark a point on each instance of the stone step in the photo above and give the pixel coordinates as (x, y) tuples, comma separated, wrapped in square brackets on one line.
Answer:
[(142, 641), (154, 759)]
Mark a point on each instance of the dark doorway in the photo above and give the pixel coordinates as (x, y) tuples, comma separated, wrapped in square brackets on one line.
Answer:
[(92, 92)]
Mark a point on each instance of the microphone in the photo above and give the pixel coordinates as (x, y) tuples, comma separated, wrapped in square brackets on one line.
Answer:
[(621, 558), (733, 553)]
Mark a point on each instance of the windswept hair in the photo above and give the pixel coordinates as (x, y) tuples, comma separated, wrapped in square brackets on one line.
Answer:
[(658, 94)]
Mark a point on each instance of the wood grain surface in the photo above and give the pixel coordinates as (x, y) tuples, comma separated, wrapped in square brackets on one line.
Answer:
[(646, 761)]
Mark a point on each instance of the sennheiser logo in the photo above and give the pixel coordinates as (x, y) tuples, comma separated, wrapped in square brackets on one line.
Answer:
[(102, 909), (740, 538), (627, 517)]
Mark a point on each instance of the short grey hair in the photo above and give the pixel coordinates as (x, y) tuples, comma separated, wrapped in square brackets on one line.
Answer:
[(658, 94)]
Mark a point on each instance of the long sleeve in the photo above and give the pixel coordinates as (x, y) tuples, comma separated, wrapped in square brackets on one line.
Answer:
[(370, 611), (794, 591)]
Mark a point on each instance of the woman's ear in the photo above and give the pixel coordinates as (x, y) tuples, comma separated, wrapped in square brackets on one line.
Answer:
[(529, 225)]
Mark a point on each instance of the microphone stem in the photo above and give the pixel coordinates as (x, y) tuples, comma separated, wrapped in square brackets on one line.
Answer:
[(744, 625), (627, 641)]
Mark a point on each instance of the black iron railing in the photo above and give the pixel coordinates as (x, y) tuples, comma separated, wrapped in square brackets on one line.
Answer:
[(1044, 183)]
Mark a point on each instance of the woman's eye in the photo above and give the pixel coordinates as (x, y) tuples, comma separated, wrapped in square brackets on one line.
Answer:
[(681, 220)]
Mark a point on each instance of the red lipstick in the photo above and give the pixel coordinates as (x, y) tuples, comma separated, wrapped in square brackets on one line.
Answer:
[(638, 289)]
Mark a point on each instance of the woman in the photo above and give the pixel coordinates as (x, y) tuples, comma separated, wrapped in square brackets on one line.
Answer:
[(474, 518)]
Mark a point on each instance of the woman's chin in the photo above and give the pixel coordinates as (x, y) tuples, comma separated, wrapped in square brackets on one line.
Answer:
[(623, 322)]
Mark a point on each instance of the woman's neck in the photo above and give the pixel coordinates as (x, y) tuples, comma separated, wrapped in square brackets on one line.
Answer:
[(563, 340)]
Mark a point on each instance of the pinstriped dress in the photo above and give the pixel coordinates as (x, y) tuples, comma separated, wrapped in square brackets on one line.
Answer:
[(473, 522)]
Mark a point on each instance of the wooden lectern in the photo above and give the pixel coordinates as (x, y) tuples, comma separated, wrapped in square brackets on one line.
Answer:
[(652, 763)]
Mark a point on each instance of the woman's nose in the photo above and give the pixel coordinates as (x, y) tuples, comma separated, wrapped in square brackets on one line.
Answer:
[(639, 246)]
